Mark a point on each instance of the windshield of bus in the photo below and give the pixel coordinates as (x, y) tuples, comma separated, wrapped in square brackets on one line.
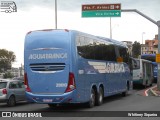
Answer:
[(136, 64)]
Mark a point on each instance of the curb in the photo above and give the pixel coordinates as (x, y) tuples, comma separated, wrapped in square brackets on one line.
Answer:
[(152, 91)]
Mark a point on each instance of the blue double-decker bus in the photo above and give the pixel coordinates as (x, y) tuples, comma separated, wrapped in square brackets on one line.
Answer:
[(67, 66)]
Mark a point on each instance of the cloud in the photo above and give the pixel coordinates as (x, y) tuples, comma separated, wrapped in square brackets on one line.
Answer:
[(26, 5), (148, 7)]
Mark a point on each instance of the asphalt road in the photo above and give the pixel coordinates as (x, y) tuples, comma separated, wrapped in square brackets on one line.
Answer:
[(134, 101)]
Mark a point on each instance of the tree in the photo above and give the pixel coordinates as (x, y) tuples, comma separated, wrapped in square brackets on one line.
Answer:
[(8, 75), (6, 59), (136, 49)]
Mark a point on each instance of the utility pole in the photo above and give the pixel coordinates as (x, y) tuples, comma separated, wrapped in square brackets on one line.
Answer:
[(156, 23), (55, 14), (142, 36)]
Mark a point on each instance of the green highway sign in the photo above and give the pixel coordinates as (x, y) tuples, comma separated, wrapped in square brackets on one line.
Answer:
[(102, 13), (101, 10)]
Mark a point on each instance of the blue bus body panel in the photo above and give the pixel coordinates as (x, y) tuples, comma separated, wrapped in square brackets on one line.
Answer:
[(112, 75), (47, 61), (155, 71), (50, 98)]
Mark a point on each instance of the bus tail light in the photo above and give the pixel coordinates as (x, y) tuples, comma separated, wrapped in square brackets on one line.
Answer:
[(71, 83), (4, 91), (26, 83)]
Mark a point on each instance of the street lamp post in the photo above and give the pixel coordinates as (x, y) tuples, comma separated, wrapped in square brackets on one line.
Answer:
[(142, 43), (55, 14), (142, 36)]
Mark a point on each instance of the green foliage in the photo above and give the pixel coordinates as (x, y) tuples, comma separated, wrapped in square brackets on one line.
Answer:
[(6, 59), (8, 75), (136, 49)]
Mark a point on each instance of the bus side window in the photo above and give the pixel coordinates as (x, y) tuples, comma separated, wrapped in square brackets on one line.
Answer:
[(89, 48)]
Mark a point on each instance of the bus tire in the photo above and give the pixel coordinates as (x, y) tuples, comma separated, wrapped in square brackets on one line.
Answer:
[(99, 97), (52, 105), (92, 100), (124, 93)]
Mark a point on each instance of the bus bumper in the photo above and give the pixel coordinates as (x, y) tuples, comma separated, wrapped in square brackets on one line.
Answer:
[(49, 99), (139, 81)]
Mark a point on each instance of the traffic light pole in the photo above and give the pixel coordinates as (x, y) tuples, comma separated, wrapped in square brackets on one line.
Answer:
[(158, 24)]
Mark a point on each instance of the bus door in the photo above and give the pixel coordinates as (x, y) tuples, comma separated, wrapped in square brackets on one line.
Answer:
[(144, 73), (136, 69), (147, 73), (149, 69)]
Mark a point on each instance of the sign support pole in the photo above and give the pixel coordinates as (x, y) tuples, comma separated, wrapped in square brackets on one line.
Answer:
[(110, 28)]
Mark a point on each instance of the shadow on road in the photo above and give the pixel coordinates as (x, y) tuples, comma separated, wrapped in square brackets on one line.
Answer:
[(19, 104), (139, 87), (80, 107)]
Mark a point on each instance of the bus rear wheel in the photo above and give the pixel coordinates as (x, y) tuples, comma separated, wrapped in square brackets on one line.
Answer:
[(99, 97), (92, 100)]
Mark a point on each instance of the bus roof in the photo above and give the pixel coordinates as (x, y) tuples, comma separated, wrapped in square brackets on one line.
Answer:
[(154, 63), (152, 55), (115, 42), (143, 60)]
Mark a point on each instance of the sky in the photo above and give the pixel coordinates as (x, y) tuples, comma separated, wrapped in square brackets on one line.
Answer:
[(40, 14)]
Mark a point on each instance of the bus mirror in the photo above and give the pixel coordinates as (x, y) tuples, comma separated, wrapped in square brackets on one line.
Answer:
[(119, 59)]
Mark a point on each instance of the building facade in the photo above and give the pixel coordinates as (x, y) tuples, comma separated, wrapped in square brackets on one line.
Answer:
[(150, 46)]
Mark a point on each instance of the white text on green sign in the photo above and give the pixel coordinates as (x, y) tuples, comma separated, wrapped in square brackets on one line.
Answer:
[(101, 13)]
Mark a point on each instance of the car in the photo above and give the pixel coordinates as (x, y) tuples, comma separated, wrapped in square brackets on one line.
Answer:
[(12, 91), (19, 78)]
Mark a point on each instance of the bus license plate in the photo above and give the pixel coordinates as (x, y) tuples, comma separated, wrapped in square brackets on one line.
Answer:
[(47, 100)]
